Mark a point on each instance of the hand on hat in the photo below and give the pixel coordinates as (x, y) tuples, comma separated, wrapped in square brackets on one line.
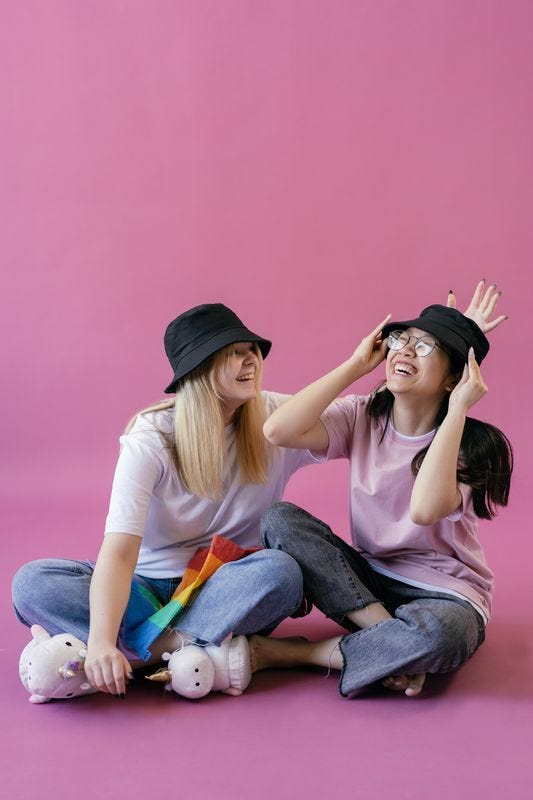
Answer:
[(372, 350), (482, 306), (470, 388)]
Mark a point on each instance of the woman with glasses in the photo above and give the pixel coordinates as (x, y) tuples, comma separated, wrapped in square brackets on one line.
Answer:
[(414, 590)]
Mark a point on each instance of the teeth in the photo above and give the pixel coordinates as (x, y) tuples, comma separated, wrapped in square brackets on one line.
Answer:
[(404, 369), (248, 377)]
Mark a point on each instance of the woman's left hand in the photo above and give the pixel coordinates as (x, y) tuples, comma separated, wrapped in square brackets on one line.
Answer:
[(482, 306), (470, 388)]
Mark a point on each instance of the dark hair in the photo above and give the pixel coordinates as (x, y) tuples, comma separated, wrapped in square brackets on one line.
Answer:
[(485, 458)]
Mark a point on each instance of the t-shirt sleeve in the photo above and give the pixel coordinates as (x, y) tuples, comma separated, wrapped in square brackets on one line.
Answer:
[(339, 421), (139, 469), (294, 458), (465, 504)]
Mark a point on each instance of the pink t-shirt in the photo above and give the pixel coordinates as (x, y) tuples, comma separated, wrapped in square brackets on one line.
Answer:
[(446, 556)]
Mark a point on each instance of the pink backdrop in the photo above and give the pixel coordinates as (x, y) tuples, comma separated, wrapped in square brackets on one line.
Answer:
[(314, 164)]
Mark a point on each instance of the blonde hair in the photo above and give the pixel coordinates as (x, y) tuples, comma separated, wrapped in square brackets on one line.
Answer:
[(197, 444)]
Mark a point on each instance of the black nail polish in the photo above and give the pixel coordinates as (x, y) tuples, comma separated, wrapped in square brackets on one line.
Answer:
[(450, 291)]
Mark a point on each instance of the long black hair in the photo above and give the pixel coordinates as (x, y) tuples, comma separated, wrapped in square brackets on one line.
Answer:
[(485, 458)]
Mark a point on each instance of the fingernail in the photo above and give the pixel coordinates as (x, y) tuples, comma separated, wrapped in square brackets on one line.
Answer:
[(450, 291)]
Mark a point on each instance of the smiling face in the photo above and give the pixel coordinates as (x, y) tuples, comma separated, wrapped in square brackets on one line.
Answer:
[(427, 376), (238, 376)]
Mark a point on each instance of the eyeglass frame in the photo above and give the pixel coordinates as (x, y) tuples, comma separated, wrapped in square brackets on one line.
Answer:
[(417, 339)]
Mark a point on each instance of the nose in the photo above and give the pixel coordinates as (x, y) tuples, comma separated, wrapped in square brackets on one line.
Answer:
[(251, 358), (409, 349)]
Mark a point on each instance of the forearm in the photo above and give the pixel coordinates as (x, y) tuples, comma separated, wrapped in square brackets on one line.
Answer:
[(297, 422), (435, 493), (298, 415), (110, 587)]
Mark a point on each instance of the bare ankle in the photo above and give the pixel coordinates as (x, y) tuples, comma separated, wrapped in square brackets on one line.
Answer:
[(369, 615)]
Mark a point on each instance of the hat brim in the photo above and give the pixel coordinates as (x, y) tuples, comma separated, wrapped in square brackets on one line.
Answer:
[(221, 339), (447, 335)]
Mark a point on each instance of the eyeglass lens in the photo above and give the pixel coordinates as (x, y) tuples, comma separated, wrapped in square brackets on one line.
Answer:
[(400, 339)]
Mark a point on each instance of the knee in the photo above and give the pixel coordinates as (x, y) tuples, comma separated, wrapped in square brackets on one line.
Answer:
[(281, 573), (447, 634), (28, 577), (458, 638), (27, 583), (276, 524), (42, 584)]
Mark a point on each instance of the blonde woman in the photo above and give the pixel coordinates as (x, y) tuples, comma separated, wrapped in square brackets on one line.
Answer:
[(190, 467)]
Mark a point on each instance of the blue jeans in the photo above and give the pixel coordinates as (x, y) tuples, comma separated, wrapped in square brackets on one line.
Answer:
[(429, 631), (253, 594)]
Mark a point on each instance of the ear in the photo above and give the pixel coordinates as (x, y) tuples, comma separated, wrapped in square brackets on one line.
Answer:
[(452, 381), (39, 633)]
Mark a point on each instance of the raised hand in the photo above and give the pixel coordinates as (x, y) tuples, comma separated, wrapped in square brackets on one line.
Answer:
[(372, 350), (470, 388), (482, 306)]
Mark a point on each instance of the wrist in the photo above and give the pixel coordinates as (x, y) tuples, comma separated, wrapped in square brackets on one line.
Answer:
[(355, 368), (100, 641), (456, 414)]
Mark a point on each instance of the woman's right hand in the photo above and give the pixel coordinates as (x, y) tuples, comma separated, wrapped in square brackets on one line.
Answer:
[(372, 350), (107, 669)]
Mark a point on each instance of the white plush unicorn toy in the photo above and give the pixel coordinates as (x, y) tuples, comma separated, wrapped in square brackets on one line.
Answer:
[(51, 667), (195, 671)]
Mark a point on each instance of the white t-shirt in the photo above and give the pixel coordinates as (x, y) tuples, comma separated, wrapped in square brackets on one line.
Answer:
[(446, 556), (148, 498)]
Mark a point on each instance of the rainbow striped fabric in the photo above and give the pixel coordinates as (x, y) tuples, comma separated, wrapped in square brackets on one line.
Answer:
[(202, 565)]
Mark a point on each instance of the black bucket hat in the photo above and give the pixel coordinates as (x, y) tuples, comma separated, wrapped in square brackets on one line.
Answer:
[(199, 333), (452, 329)]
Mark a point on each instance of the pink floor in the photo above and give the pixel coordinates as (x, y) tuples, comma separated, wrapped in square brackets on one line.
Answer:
[(290, 735)]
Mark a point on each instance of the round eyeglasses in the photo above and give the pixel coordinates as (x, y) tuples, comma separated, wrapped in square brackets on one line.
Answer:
[(424, 345)]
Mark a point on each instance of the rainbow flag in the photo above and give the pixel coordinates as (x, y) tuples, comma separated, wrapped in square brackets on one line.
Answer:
[(202, 565)]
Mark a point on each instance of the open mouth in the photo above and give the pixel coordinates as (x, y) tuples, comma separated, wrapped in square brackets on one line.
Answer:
[(249, 376), (402, 368)]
